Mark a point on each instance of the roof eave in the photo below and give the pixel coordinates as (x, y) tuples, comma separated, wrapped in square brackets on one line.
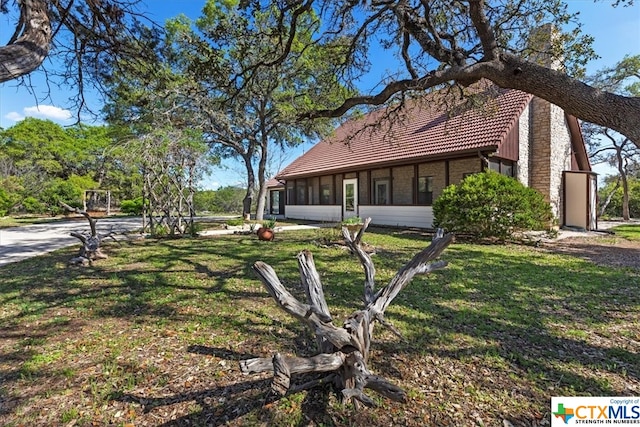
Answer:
[(405, 161)]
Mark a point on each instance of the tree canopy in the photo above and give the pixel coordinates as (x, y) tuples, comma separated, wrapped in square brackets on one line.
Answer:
[(83, 38), (42, 163), (535, 46), (440, 42)]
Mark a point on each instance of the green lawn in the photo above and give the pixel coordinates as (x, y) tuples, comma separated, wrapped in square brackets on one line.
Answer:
[(630, 232), (153, 335)]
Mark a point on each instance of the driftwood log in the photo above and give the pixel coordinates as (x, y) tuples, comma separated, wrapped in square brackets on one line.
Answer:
[(343, 351), (90, 249)]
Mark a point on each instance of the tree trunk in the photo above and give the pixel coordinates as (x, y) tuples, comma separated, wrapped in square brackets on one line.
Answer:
[(25, 53), (603, 208), (623, 177), (251, 182), (588, 103), (343, 351)]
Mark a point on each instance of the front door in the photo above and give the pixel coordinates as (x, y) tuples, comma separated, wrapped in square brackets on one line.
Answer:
[(349, 198)]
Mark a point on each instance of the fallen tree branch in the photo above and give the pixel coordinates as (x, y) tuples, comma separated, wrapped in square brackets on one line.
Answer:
[(343, 351), (90, 249)]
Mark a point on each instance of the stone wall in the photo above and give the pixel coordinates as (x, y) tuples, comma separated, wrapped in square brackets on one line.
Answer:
[(402, 185), (524, 161), (550, 151), (461, 167)]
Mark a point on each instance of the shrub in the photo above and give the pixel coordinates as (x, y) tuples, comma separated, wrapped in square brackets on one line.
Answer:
[(235, 222), (33, 206), (132, 207), (489, 204)]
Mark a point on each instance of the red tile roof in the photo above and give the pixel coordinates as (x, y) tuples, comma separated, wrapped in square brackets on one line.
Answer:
[(274, 183), (425, 131)]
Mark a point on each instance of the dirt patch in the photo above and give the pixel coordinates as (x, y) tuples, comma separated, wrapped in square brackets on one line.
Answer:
[(601, 250)]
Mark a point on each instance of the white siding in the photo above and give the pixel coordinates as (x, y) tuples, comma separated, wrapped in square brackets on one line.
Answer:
[(399, 216), (324, 213)]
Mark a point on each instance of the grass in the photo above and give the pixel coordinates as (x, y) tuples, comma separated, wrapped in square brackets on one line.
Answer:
[(629, 232), (10, 221), (153, 335)]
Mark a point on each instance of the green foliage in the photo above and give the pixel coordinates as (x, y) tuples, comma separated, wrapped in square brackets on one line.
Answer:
[(33, 206), (269, 223), (614, 208), (44, 163), (352, 220), (69, 191), (224, 200), (10, 189), (489, 204), (132, 207), (5, 202)]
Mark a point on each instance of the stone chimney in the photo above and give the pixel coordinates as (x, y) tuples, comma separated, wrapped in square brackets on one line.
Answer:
[(549, 136)]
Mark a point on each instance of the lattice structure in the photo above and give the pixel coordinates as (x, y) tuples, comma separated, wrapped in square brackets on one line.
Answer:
[(169, 173)]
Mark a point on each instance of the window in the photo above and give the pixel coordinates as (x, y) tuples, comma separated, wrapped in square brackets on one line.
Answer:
[(291, 192), (505, 167), (381, 191), (425, 190), (301, 192), (275, 203), (325, 194)]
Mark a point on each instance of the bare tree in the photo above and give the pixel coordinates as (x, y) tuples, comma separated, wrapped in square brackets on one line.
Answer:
[(343, 352)]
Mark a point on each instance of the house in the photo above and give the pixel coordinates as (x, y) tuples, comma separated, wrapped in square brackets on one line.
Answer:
[(392, 164)]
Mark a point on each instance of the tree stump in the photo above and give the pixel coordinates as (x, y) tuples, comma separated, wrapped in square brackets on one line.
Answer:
[(343, 352), (90, 249)]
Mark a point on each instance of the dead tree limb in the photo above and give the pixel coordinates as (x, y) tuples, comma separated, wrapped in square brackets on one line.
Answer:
[(343, 352), (90, 249)]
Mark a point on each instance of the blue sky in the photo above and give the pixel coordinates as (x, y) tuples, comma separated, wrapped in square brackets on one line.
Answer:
[(616, 32)]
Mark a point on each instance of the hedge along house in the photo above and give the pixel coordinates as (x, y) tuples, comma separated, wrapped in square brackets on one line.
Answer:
[(392, 170)]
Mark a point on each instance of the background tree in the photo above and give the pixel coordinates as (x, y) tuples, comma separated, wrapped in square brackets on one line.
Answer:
[(223, 200), (612, 196), (42, 163), (611, 147), (248, 92)]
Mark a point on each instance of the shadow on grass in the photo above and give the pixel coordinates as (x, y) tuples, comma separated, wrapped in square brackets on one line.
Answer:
[(525, 308)]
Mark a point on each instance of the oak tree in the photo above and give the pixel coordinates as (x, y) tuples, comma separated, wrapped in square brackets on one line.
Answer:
[(456, 43)]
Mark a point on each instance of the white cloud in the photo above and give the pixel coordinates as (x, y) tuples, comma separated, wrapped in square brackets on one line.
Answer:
[(47, 112), (14, 117)]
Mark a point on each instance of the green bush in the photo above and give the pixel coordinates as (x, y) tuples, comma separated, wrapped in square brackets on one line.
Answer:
[(132, 207), (489, 204), (235, 222), (33, 206), (614, 208)]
